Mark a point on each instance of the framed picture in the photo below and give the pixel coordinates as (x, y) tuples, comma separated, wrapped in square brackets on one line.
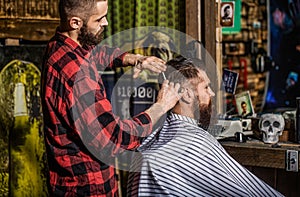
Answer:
[(230, 16), (227, 14), (244, 104), (234, 48)]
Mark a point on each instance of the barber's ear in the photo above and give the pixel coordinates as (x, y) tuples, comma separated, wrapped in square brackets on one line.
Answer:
[(188, 95), (76, 22)]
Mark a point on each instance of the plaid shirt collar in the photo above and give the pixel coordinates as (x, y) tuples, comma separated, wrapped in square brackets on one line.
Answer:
[(82, 51)]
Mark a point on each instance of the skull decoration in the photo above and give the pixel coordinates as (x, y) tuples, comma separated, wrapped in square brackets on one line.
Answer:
[(272, 126)]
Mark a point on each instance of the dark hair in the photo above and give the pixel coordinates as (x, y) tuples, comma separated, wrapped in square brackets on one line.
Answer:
[(181, 69), (226, 8), (80, 8)]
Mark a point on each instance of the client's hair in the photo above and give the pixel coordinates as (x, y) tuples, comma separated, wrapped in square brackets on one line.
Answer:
[(182, 70)]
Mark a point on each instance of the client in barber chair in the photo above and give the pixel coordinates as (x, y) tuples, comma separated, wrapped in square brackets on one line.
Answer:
[(181, 158)]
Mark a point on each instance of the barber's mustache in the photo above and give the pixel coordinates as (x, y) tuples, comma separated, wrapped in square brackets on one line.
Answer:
[(101, 30)]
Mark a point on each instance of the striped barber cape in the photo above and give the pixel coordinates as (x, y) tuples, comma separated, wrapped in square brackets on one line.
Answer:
[(182, 159)]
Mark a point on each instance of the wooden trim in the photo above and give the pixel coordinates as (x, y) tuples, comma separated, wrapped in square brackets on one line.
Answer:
[(193, 24), (209, 27), (28, 29), (201, 23)]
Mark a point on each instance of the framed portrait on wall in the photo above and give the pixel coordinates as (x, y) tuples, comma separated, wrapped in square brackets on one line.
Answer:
[(230, 16), (227, 14), (244, 104)]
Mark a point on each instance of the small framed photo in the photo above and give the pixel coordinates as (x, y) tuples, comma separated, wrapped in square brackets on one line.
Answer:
[(227, 14), (244, 104)]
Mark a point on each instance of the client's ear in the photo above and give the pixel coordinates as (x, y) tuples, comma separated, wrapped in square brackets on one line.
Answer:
[(188, 95)]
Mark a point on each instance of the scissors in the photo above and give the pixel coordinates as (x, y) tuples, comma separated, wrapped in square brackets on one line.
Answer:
[(164, 76)]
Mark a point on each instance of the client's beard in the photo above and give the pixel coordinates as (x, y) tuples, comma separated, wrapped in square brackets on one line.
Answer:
[(86, 38), (204, 114)]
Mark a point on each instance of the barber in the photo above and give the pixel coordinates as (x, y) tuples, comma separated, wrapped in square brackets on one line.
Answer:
[(79, 124)]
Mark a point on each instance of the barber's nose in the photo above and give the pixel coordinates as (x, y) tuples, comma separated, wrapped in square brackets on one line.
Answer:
[(104, 22)]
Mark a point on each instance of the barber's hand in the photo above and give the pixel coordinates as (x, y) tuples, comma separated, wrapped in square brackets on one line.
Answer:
[(167, 98), (151, 63), (168, 95)]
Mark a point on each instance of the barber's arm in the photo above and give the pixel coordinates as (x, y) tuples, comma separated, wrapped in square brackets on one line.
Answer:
[(167, 97), (105, 56), (141, 62)]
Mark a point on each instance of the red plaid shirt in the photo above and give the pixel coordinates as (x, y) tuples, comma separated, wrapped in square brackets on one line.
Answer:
[(80, 127)]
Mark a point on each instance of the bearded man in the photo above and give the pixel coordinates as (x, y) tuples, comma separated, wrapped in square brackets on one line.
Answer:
[(82, 134), (181, 158)]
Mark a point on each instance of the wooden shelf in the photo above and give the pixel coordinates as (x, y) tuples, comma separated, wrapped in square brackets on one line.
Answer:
[(260, 154)]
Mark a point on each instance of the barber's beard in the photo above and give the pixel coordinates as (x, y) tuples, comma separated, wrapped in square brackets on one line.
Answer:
[(86, 38), (204, 114)]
